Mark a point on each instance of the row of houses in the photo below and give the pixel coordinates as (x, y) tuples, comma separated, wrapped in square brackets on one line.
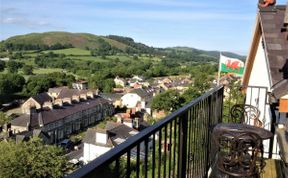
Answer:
[(61, 112)]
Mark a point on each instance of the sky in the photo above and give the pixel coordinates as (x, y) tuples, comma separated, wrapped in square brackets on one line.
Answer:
[(225, 25)]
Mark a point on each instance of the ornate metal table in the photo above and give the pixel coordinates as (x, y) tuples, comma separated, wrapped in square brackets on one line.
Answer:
[(240, 149)]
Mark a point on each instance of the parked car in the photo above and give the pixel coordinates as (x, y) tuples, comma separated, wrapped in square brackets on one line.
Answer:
[(67, 145)]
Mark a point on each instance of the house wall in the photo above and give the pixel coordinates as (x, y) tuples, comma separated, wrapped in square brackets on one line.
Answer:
[(92, 151), (18, 129), (130, 100), (77, 121), (260, 74), (30, 103), (258, 96)]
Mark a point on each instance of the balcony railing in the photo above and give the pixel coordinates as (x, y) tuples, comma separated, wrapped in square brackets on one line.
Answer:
[(177, 146)]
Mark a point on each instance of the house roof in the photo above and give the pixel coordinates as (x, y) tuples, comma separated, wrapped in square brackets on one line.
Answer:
[(42, 98), (141, 92), (269, 24), (48, 116), (90, 138), (276, 42), (111, 96), (67, 92), (121, 133)]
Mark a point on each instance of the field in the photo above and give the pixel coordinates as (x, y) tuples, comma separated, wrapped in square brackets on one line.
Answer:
[(71, 52), (46, 71)]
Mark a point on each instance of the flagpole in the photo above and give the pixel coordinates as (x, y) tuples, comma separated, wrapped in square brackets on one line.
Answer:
[(219, 67)]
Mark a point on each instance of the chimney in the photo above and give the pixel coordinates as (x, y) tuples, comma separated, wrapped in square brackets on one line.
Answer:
[(40, 119), (101, 137), (48, 104), (76, 98), (67, 100), (83, 96), (90, 94), (97, 92), (58, 102), (285, 23)]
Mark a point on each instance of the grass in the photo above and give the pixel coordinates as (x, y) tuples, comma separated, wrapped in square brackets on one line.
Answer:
[(46, 70), (71, 51)]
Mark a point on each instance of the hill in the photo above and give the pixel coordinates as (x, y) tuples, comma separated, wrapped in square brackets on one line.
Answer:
[(108, 45)]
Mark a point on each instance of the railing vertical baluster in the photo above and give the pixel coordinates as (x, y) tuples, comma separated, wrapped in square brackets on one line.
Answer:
[(159, 153), (146, 157), (209, 130), (189, 142), (117, 171), (170, 148), (153, 156), (174, 147), (138, 160), (165, 150), (128, 171), (182, 145)]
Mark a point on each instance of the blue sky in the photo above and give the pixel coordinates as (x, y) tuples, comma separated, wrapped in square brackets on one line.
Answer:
[(224, 25)]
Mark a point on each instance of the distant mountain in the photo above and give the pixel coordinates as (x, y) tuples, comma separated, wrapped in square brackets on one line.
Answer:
[(58, 40), (215, 54)]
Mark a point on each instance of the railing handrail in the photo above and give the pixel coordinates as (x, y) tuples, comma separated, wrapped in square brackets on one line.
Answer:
[(131, 142)]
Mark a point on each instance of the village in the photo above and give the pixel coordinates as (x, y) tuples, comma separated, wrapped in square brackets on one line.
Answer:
[(87, 123)]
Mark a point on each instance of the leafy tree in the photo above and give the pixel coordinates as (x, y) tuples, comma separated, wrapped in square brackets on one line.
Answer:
[(38, 84), (27, 70), (168, 101), (2, 66), (11, 83), (13, 66), (4, 119), (31, 159), (109, 84)]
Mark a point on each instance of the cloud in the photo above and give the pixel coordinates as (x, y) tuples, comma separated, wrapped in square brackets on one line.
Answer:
[(15, 17)]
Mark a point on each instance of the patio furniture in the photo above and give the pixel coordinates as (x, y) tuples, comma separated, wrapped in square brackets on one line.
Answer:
[(240, 149), (246, 114)]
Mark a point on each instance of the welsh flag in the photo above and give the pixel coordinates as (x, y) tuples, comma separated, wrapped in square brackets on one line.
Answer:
[(231, 65)]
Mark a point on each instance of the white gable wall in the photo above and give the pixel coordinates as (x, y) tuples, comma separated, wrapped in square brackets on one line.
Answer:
[(257, 96), (130, 100), (260, 74), (91, 151)]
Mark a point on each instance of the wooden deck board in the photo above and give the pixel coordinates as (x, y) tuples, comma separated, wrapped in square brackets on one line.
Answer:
[(272, 169)]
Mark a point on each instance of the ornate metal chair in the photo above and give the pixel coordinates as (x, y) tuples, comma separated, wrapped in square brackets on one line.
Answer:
[(240, 153), (246, 114)]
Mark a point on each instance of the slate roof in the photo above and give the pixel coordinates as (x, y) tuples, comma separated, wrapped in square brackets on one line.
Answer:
[(49, 116), (122, 131), (42, 97), (276, 45), (90, 138), (67, 92), (141, 92), (111, 96)]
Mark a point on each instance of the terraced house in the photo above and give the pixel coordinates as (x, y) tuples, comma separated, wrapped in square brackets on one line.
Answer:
[(60, 112)]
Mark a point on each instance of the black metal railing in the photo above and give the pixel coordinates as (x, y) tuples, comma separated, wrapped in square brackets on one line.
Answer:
[(177, 146)]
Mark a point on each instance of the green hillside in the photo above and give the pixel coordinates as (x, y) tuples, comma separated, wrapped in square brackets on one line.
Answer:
[(84, 43)]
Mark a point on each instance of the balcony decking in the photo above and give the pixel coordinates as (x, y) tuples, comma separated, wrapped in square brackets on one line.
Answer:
[(272, 169)]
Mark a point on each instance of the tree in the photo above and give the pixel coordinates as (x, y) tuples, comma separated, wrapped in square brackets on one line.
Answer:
[(109, 84), (11, 83), (4, 119), (31, 159), (27, 69), (168, 101), (13, 66), (2, 66)]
